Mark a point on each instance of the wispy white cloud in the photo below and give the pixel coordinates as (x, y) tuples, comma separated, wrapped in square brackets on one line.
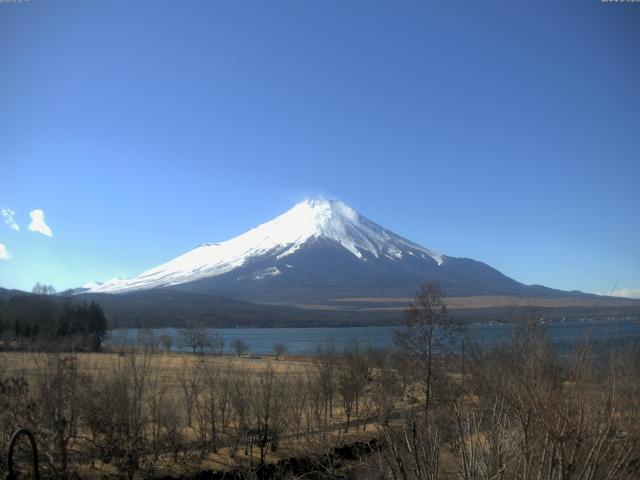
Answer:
[(4, 253), (38, 224), (9, 218), (622, 292)]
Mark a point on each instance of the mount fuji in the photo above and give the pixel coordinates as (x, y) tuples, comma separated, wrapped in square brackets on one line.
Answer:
[(320, 251)]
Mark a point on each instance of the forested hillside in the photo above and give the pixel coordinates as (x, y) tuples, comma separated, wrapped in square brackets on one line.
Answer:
[(39, 319)]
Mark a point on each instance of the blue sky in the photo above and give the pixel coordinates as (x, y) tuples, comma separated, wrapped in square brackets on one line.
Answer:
[(507, 132)]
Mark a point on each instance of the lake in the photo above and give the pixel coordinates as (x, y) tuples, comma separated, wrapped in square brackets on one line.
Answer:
[(306, 340)]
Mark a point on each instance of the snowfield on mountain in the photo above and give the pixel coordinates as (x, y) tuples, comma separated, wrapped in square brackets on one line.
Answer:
[(317, 251)]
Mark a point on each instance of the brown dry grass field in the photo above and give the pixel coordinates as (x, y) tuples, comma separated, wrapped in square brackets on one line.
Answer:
[(170, 368), (493, 301), (172, 365), (479, 302), (446, 416)]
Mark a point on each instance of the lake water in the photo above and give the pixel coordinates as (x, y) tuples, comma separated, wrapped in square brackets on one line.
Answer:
[(306, 340)]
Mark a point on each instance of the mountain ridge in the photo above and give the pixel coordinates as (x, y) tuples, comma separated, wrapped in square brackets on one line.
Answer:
[(306, 222), (317, 251)]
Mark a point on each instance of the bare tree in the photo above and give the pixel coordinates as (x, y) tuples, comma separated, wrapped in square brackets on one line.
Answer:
[(240, 396), (167, 342), (413, 444), (196, 338), (239, 346), (389, 382), (147, 340), (218, 343), (279, 349), (57, 382), (425, 337), (325, 360), (412, 447), (43, 289), (190, 386), (208, 402), (115, 417), (269, 407), (353, 375)]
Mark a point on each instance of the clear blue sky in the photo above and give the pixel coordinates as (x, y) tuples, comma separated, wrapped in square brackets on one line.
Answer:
[(508, 132)]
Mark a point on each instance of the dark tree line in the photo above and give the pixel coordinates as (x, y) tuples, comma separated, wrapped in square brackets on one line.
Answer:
[(40, 318)]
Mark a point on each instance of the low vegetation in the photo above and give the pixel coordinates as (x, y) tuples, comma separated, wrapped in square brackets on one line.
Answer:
[(429, 408)]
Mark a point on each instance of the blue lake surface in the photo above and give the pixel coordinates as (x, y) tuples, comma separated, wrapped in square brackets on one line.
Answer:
[(563, 335)]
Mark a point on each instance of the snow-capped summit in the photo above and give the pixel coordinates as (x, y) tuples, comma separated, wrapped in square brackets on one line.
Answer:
[(321, 255), (311, 222)]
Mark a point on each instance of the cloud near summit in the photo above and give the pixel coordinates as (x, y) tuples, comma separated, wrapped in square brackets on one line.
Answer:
[(38, 224)]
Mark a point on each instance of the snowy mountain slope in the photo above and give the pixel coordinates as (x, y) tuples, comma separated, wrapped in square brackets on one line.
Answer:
[(304, 224), (315, 253)]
